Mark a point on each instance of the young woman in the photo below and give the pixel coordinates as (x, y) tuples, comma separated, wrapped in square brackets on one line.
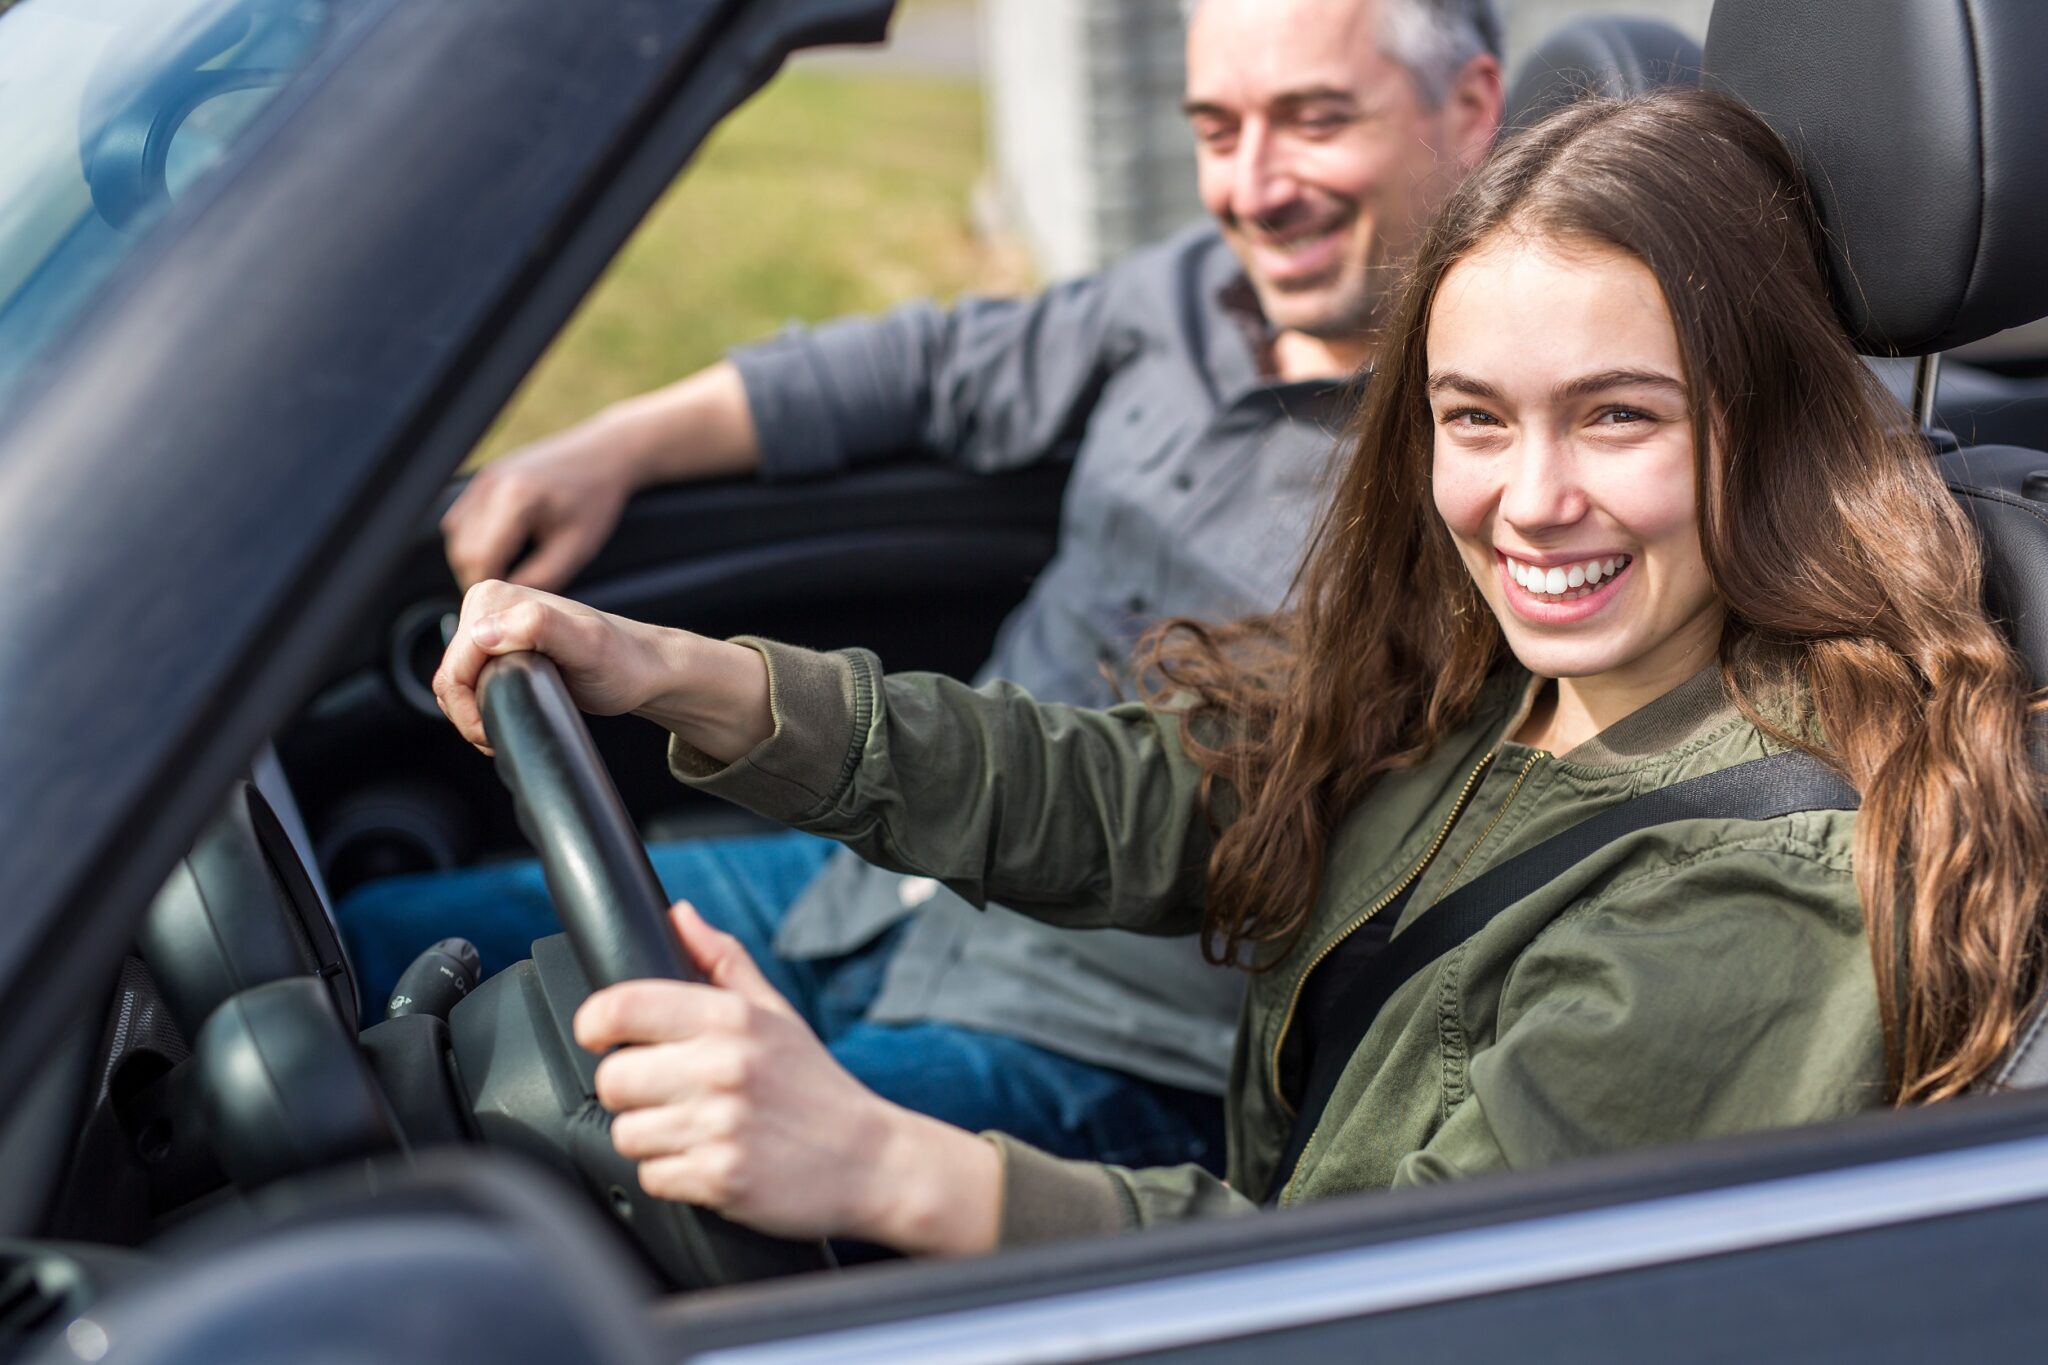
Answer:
[(1622, 509)]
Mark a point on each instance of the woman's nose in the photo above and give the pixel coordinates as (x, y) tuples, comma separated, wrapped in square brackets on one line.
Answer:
[(1543, 489)]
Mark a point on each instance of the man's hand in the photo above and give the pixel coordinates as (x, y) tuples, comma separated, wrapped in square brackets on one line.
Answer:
[(728, 1101), (566, 493)]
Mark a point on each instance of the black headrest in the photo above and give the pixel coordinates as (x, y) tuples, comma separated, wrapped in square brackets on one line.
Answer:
[(1923, 126), (1601, 55)]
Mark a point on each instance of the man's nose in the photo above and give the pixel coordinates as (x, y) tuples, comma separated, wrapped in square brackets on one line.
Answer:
[(1543, 489), (1261, 183)]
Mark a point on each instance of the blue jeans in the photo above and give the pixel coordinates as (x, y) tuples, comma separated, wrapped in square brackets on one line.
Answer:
[(745, 886)]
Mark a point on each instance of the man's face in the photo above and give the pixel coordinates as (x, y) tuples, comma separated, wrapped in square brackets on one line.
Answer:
[(1317, 154)]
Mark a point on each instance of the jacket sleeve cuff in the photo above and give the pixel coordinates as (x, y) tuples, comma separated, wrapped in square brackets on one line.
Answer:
[(823, 706), (1050, 1199)]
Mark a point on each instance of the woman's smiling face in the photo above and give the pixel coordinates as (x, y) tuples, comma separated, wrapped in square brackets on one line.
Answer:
[(1564, 462)]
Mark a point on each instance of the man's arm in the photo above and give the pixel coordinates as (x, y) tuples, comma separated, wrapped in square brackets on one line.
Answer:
[(989, 384), (565, 493)]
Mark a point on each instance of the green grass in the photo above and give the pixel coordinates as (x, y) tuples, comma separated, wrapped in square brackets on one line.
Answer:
[(830, 193)]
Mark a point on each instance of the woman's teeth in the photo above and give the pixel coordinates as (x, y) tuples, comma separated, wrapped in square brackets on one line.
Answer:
[(1566, 581)]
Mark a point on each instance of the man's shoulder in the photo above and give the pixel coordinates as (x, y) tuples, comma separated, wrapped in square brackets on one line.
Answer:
[(1196, 250), (1172, 286)]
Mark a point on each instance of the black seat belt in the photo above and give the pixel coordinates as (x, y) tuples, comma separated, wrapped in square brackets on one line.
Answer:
[(1761, 789)]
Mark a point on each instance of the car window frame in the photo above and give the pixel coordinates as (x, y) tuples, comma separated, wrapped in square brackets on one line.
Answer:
[(99, 506)]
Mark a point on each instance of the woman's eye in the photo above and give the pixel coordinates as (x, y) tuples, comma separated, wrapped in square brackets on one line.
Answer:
[(1471, 418), (1614, 417)]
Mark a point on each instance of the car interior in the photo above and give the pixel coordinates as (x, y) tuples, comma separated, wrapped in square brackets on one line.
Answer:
[(251, 1122)]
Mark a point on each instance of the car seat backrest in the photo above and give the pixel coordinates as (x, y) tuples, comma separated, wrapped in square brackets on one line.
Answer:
[(1920, 123), (1922, 126), (1601, 55), (2005, 491)]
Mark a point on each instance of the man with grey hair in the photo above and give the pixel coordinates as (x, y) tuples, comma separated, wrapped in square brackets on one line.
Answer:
[(1196, 387)]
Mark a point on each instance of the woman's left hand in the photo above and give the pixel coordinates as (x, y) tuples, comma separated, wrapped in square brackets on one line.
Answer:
[(729, 1101)]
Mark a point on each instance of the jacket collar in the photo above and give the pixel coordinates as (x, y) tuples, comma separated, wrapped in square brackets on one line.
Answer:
[(1687, 713)]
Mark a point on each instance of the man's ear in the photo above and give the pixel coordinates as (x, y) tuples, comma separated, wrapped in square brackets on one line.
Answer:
[(1474, 109)]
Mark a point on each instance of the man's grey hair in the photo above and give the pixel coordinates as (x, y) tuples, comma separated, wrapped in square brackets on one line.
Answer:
[(1433, 39)]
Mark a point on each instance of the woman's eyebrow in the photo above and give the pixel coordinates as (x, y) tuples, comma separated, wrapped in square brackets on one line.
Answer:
[(1450, 381), (1587, 385)]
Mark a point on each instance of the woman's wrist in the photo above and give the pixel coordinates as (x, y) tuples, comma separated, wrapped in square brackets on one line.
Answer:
[(932, 1190), (711, 694)]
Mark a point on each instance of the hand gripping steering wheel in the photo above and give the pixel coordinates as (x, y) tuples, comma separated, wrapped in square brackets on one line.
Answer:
[(612, 908)]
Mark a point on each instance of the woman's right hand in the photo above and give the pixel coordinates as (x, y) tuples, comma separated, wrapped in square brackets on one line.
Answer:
[(713, 694)]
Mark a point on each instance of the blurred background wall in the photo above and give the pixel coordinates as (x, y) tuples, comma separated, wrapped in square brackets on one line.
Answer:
[(1088, 154)]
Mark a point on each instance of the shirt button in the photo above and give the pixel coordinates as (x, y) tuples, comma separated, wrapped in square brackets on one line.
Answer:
[(1134, 416), (1183, 481), (1136, 604)]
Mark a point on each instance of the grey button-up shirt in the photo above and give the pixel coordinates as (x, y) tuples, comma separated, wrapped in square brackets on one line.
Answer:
[(1195, 480)]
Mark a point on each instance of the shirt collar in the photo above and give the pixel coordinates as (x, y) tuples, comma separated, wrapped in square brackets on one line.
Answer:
[(1241, 349)]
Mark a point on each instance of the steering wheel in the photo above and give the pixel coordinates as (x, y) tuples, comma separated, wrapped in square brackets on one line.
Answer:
[(612, 908), (610, 903)]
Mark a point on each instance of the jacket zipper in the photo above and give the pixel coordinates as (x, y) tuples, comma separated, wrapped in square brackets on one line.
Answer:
[(1458, 873), (1301, 983), (1457, 809)]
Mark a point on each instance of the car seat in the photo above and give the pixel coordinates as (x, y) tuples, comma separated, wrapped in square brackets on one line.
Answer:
[(1600, 55), (1923, 127)]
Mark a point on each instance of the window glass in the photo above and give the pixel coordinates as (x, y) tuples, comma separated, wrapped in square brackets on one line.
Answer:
[(113, 108)]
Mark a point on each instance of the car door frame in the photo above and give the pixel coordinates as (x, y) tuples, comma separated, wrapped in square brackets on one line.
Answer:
[(1767, 1246)]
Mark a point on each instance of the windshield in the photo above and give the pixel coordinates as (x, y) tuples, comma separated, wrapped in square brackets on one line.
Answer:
[(113, 108)]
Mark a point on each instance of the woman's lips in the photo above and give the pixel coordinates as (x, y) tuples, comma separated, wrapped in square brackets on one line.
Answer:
[(1551, 611)]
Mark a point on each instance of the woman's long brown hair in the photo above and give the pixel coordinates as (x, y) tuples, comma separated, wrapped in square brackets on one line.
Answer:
[(1850, 579)]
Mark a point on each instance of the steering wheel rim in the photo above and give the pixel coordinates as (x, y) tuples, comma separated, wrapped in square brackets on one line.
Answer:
[(611, 904), (613, 910)]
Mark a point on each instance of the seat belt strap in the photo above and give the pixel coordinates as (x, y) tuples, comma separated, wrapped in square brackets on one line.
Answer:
[(1760, 789)]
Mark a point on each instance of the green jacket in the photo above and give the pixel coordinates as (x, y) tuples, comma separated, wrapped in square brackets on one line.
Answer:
[(1698, 978)]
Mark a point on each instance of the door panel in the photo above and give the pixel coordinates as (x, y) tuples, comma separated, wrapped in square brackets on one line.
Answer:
[(1949, 1289)]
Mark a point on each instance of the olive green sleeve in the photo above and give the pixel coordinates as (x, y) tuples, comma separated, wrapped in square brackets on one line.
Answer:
[(1728, 995), (1080, 818), (1051, 1199)]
